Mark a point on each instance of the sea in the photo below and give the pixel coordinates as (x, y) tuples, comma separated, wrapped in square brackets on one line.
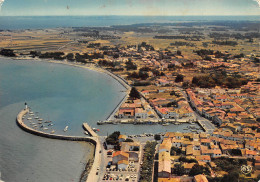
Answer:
[(66, 95), (43, 22)]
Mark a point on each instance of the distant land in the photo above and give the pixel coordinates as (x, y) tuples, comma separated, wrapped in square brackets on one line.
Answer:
[(42, 22)]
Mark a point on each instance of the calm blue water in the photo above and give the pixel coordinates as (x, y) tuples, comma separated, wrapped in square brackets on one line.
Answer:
[(66, 95), (40, 22), (63, 94)]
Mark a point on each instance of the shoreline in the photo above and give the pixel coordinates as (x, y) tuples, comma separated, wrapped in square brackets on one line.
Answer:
[(91, 176), (92, 67)]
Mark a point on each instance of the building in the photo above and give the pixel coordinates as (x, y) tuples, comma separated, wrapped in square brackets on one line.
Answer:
[(122, 138), (164, 169), (122, 164), (200, 178), (132, 148), (119, 156)]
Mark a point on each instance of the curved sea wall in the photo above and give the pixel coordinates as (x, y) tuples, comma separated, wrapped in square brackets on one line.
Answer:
[(93, 140), (48, 135)]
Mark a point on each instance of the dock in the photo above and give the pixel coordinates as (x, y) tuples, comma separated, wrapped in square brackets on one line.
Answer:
[(94, 140), (207, 126), (89, 130)]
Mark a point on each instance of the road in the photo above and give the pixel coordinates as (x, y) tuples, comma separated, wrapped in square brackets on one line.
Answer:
[(207, 124)]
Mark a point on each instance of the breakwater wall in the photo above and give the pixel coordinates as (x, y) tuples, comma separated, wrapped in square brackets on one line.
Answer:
[(48, 135), (93, 140)]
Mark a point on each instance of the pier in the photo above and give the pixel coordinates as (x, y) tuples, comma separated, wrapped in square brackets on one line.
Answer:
[(92, 177), (89, 130)]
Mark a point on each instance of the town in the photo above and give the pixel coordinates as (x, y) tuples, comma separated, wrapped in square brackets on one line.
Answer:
[(177, 75)]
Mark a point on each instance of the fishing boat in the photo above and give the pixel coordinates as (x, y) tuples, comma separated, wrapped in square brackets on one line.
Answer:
[(0, 178), (29, 118), (36, 117), (45, 128), (53, 131), (86, 133), (66, 128), (100, 122), (39, 122), (95, 129), (165, 124), (40, 119), (50, 124), (47, 122), (30, 112)]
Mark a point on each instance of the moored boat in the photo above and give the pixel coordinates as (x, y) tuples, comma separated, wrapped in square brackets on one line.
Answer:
[(66, 128), (165, 124)]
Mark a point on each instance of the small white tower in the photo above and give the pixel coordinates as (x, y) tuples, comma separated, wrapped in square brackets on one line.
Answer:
[(26, 107)]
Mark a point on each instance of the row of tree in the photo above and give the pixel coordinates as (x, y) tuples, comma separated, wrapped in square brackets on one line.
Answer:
[(7, 52), (209, 81), (148, 161)]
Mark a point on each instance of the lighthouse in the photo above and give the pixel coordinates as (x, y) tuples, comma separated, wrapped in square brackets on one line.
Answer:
[(26, 107)]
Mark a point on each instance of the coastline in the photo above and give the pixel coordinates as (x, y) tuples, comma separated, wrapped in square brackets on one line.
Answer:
[(74, 64), (91, 176)]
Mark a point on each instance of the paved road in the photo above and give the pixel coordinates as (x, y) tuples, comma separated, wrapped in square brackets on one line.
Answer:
[(204, 121)]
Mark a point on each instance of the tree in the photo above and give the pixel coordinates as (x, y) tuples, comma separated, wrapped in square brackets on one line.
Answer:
[(198, 169), (185, 84), (232, 176), (7, 52), (134, 93), (157, 137), (113, 138), (179, 78), (179, 170), (179, 53), (70, 56), (129, 140)]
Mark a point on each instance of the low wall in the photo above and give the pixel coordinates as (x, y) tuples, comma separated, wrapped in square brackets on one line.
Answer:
[(48, 135), (95, 141)]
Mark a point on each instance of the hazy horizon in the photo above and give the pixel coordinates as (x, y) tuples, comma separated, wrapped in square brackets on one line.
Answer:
[(130, 8)]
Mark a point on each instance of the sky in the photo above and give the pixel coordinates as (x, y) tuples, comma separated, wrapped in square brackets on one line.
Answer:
[(129, 7)]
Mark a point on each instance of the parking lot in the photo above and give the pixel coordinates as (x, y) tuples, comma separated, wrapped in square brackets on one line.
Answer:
[(129, 174)]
